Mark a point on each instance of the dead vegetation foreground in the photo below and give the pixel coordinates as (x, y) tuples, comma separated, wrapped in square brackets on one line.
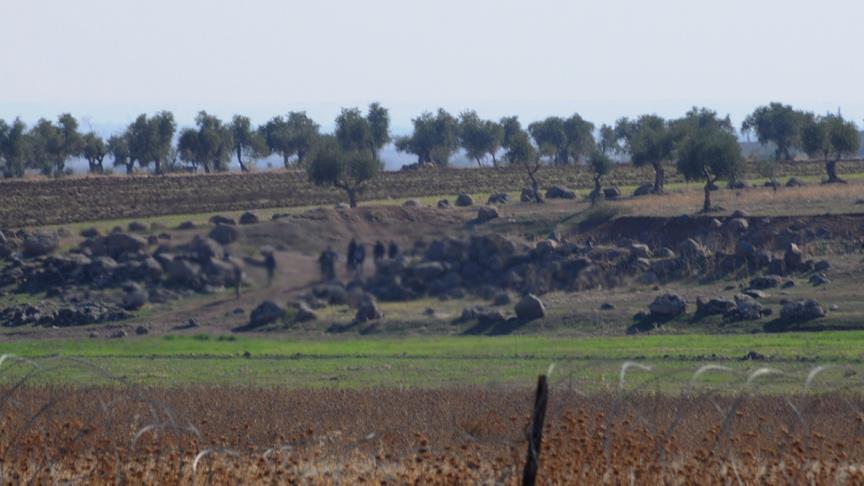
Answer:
[(231, 435)]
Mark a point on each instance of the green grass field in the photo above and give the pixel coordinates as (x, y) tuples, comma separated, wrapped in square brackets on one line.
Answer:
[(585, 363)]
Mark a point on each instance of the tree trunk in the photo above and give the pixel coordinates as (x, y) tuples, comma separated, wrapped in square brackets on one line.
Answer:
[(158, 166), (494, 160), (831, 169), (658, 177), (285, 161), (595, 194), (243, 167), (352, 197), (130, 167), (706, 206), (479, 163)]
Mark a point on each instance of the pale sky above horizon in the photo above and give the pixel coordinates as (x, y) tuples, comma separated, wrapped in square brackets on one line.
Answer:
[(108, 60)]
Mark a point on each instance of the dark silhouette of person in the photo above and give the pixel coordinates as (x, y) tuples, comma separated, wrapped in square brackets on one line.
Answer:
[(327, 264), (351, 256), (379, 251), (392, 250), (270, 265), (359, 258)]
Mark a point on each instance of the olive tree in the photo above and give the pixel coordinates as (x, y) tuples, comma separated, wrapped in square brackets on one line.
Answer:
[(521, 153), (650, 141), (53, 144), (480, 138), (15, 145), (434, 140), (150, 139), (118, 148), (709, 153), (777, 123), (93, 150), (332, 166), (831, 137), (210, 146), (248, 143), (290, 137), (601, 166)]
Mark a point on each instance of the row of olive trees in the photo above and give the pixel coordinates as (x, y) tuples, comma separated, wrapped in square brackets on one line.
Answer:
[(149, 142)]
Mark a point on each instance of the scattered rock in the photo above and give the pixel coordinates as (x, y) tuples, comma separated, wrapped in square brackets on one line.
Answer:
[(822, 266), (737, 225), (186, 225), (765, 282), (40, 243), (746, 308), (818, 279), (793, 259), (529, 195), (464, 200), (644, 190), (529, 308), (141, 330), (639, 250), (218, 219), (668, 306), (558, 192), (249, 218), (612, 193), (715, 306), (444, 204), (794, 182), (138, 227), (368, 310), (788, 284), (501, 298), (412, 203), (91, 233), (499, 198), (134, 296), (267, 312), (754, 356), (607, 306), (485, 214), (304, 313), (802, 310), (224, 234)]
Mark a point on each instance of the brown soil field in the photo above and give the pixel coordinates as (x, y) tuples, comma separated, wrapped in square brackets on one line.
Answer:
[(445, 436), (63, 201)]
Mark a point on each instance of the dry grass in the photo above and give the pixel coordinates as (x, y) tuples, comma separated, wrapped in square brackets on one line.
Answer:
[(224, 435)]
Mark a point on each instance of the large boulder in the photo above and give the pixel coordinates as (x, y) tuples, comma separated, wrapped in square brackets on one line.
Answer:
[(368, 310), (644, 190), (715, 306), (218, 219), (611, 193), (737, 225), (558, 192), (801, 310), (41, 243), (529, 308), (183, 272), (119, 242), (248, 218), (267, 312), (224, 234), (464, 200), (668, 306), (443, 204), (744, 249), (203, 249), (793, 258), (134, 296), (747, 308), (428, 270), (529, 195), (485, 214), (304, 313), (765, 282), (794, 182), (498, 198), (691, 249), (412, 204)]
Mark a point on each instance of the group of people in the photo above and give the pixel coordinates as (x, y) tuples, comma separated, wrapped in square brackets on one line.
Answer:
[(354, 258)]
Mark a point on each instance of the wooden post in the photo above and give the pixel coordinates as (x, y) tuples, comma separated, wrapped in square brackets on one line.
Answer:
[(532, 462)]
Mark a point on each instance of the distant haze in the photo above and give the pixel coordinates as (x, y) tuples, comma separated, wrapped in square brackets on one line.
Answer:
[(105, 61)]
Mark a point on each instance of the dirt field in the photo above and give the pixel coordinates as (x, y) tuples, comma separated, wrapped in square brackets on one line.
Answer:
[(75, 199), (448, 436)]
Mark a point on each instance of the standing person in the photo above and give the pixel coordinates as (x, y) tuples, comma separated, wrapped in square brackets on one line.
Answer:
[(270, 265), (392, 250), (332, 257), (379, 251), (351, 256)]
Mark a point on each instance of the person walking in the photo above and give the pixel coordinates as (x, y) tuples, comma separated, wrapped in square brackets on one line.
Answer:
[(270, 265)]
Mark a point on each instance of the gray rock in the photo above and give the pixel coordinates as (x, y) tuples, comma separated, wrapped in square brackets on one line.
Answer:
[(639, 250), (765, 282), (464, 200), (267, 312), (249, 218), (747, 308), (802, 310), (485, 214), (644, 190), (529, 308), (793, 258), (692, 250), (412, 203), (612, 193), (141, 330), (304, 313), (498, 198), (118, 243), (186, 225), (715, 306), (224, 234), (218, 219), (138, 227), (794, 182), (822, 266), (428, 270), (501, 298), (737, 225), (40, 243), (134, 296), (368, 310), (558, 192), (183, 272), (744, 249), (443, 204), (203, 249), (607, 306), (529, 195), (669, 306), (818, 279)]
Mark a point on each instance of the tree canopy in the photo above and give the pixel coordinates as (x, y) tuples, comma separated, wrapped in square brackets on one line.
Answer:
[(248, 143), (435, 138), (563, 141), (290, 137), (14, 148), (831, 137), (93, 149), (332, 166), (480, 138), (650, 142), (210, 146), (150, 139), (708, 151), (777, 123)]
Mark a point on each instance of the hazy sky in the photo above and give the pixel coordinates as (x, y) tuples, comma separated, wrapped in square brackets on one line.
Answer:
[(112, 59)]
